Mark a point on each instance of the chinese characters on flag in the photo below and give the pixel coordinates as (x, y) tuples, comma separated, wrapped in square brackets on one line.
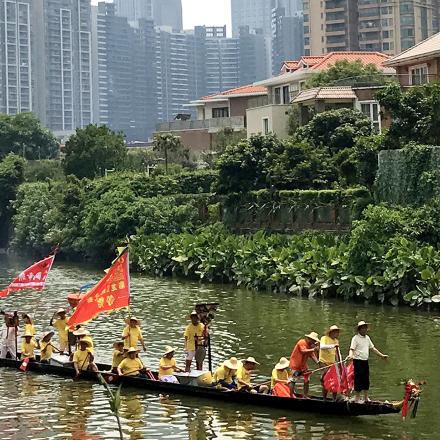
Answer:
[(111, 293), (34, 277)]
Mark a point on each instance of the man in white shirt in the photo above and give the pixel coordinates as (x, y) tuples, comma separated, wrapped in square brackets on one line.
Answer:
[(360, 351)]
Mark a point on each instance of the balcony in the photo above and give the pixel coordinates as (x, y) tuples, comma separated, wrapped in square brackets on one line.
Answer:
[(211, 125)]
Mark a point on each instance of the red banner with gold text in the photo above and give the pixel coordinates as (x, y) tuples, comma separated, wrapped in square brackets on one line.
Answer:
[(34, 277), (111, 293)]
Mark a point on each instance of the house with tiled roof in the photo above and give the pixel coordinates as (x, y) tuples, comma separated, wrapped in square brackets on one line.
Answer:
[(419, 64), (214, 113), (289, 85)]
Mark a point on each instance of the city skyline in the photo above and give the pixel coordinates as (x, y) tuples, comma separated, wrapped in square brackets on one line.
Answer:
[(204, 12)]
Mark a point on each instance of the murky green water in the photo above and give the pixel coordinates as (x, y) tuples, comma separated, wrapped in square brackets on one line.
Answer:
[(258, 324)]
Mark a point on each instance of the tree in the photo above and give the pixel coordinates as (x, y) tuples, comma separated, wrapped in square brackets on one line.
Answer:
[(228, 136), (354, 71), (415, 114), (167, 143), (92, 150), (24, 135)]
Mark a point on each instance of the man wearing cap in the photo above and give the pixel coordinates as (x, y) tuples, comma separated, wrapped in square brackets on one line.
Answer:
[(304, 350), (327, 353), (167, 366), (360, 351), (83, 358), (131, 365), (244, 377), (132, 334), (193, 338), (224, 375), (28, 346), (60, 323)]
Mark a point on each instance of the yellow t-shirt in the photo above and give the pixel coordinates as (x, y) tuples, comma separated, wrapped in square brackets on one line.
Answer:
[(118, 357), (90, 341), (225, 374), (61, 326), (328, 357), (30, 329), (134, 336), (166, 366), (46, 350), (82, 359), (244, 375), (279, 375), (191, 332), (131, 367), (27, 349)]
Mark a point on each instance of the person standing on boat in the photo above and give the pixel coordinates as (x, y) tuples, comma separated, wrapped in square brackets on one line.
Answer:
[(28, 346), (167, 366), (225, 374), (118, 355), (360, 347), (60, 323), (131, 365), (9, 335), (83, 359), (327, 353), (244, 382), (28, 324), (132, 334), (193, 338), (304, 350)]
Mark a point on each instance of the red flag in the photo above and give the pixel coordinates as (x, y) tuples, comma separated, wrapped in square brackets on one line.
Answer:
[(111, 293), (34, 277), (339, 379)]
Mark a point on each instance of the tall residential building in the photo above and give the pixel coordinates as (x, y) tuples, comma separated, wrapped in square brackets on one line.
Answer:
[(15, 56), (253, 13), (388, 26), (168, 13), (134, 10), (126, 73)]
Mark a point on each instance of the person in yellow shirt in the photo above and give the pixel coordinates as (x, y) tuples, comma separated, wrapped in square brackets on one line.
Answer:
[(118, 355), (193, 338), (167, 366), (244, 382), (131, 365), (63, 330), (327, 353), (281, 373), (225, 374), (132, 334), (47, 348), (28, 346), (28, 324), (83, 359), (83, 334)]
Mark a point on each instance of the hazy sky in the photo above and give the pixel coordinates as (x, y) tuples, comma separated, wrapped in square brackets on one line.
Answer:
[(208, 12)]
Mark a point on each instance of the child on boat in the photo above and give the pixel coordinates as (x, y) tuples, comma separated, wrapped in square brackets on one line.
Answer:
[(167, 366)]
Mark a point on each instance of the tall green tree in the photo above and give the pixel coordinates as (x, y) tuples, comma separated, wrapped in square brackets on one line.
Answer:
[(167, 144), (92, 150), (24, 135)]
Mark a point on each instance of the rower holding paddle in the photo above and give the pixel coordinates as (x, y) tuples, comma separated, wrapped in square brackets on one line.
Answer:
[(244, 382), (327, 353), (83, 334), (132, 334), (167, 366), (83, 359), (131, 365), (60, 323), (225, 374), (118, 355), (28, 346), (47, 348)]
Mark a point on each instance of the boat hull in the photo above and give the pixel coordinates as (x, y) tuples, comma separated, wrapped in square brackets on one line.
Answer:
[(315, 405)]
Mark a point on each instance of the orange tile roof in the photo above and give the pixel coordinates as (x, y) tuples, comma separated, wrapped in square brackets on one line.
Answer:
[(344, 92), (291, 65), (312, 60), (244, 90), (375, 58)]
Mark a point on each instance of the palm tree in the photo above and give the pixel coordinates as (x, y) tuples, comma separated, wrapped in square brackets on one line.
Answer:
[(167, 143)]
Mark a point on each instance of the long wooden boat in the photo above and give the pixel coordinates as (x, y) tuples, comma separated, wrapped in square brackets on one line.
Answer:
[(313, 404)]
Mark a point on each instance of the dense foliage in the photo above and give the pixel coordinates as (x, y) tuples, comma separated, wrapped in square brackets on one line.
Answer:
[(415, 114), (169, 144), (23, 134), (345, 72), (93, 150)]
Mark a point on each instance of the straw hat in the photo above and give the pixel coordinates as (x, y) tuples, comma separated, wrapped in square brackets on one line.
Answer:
[(26, 315), (85, 341), (232, 363), (333, 328), (28, 335), (132, 318), (133, 350), (60, 311), (251, 360), (282, 364), (313, 335), (168, 350), (48, 335), (81, 332), (362, 323)]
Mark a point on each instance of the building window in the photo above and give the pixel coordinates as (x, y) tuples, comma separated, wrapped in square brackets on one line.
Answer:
[(277, 95), (372, 110), (419, 75), (286, 95), (265, 126), (222, 112)]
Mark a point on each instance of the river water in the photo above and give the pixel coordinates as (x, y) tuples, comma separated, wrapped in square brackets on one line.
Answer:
[(262, 325)]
